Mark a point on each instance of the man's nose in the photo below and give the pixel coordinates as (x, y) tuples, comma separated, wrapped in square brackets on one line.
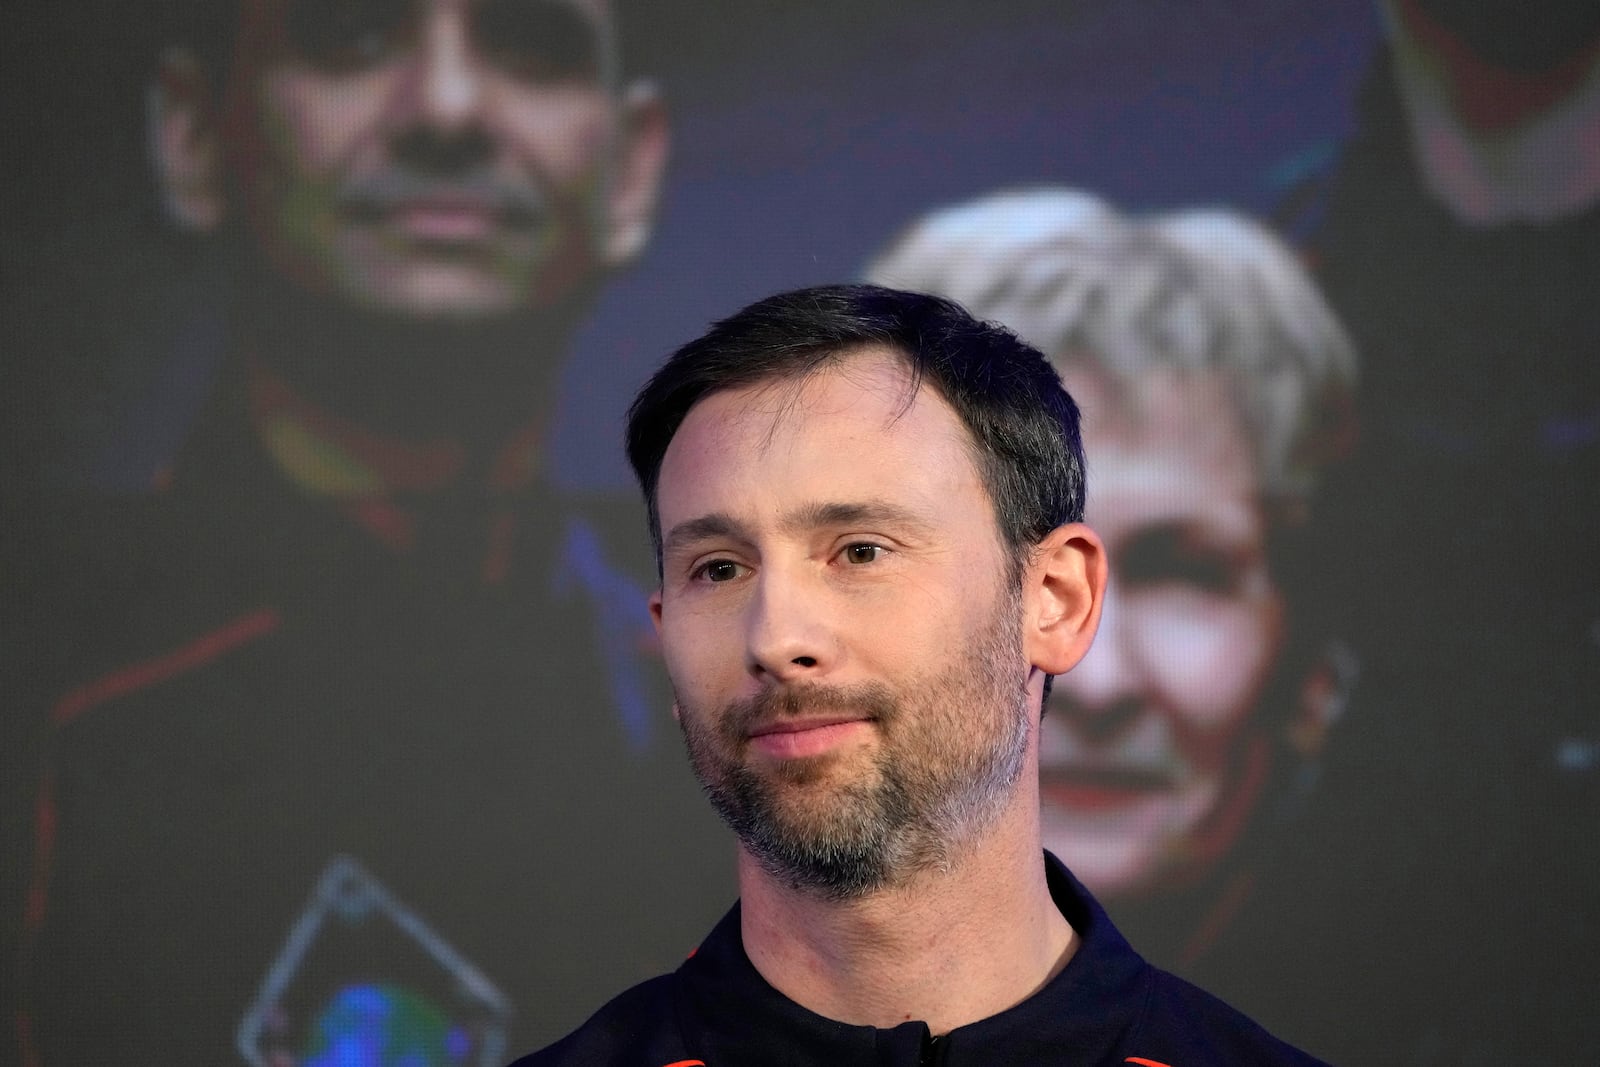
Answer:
[(446, 88), (787, 638), (1102, 694)]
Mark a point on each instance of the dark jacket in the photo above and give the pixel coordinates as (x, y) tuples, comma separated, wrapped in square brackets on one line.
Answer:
[(1107, 1006), (302, 788)]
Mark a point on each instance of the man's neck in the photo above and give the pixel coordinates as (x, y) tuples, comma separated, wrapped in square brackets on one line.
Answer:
[(947, 947), (474, 383)]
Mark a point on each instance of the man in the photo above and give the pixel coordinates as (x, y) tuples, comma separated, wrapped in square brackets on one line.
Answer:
[(349, 646), (416, 201), (1216, 385), (865, 506)]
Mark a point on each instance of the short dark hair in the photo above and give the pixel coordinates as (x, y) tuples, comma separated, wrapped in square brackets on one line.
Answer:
[(1023, 425)]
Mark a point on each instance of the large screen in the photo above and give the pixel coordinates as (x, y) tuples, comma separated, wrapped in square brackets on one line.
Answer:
[(335, 728)]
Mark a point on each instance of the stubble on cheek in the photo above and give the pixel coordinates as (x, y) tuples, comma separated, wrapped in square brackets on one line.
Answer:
[(719, 747), (807, 824), (945, 764)]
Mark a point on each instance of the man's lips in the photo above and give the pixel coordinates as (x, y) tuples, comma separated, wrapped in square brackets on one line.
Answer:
[(425, 207), (1093, 789), (795, 738), (444, 218)]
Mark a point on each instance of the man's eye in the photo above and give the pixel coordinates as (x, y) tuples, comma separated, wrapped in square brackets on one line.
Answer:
[(718, 570), (1169, 557), (343, 36), (863, 553), (540, 41)]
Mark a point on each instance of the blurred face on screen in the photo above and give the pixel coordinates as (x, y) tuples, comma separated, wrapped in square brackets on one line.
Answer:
[(438, 157), (1153, 749)]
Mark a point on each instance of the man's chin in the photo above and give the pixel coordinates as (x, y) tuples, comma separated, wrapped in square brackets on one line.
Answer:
[(822, 773), (1110, 868), (438, 292), (1124, 853), (828, 851), (807, 801)]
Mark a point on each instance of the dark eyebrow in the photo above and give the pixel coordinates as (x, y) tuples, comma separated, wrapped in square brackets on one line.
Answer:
[(869, 513), (803, 519), (704, 528)]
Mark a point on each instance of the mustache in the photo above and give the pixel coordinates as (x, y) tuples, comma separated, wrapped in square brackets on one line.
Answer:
[(1114, 775), (516, 203), (868, 700), (1134, 751)]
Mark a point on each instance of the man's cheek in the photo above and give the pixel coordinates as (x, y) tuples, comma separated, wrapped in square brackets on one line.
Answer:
[(567, 145), (681, 672), (314, 124), (1211, 666)]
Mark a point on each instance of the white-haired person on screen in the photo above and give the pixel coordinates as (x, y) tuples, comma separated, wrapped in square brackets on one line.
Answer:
[(1215, 385)]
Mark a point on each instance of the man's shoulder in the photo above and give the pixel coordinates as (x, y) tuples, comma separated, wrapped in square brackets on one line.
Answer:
[(639, 1027), (1185, 1025)]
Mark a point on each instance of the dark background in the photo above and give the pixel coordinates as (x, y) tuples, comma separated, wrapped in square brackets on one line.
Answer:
[(1442, 892)]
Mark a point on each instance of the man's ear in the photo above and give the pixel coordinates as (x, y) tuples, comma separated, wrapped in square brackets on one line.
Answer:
[(1062, 597), (185, 142), (1324, 692), (655, 617), (655, 610), (641, 158)]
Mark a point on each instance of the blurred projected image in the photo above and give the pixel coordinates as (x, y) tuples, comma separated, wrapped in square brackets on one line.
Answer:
[(341, 609), (1502, 111), (1214, 382), (403, 207), (425, 158), (363, 982)]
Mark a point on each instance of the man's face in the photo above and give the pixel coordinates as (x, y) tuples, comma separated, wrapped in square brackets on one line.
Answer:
[(1153, 750), (838, 620), (432, 157)]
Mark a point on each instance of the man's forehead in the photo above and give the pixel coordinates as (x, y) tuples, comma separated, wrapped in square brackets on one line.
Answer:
[(600, 10), (859, 428), (1171, 404), (1169, 434), (870, 386), (268, 15)]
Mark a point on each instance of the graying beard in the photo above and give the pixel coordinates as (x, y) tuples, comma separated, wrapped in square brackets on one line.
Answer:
[(888, 843), (962, 814), (893, 833), (847, 863)]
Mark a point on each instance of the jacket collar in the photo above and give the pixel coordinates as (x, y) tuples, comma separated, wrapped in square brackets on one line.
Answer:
[(731, 1015)]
